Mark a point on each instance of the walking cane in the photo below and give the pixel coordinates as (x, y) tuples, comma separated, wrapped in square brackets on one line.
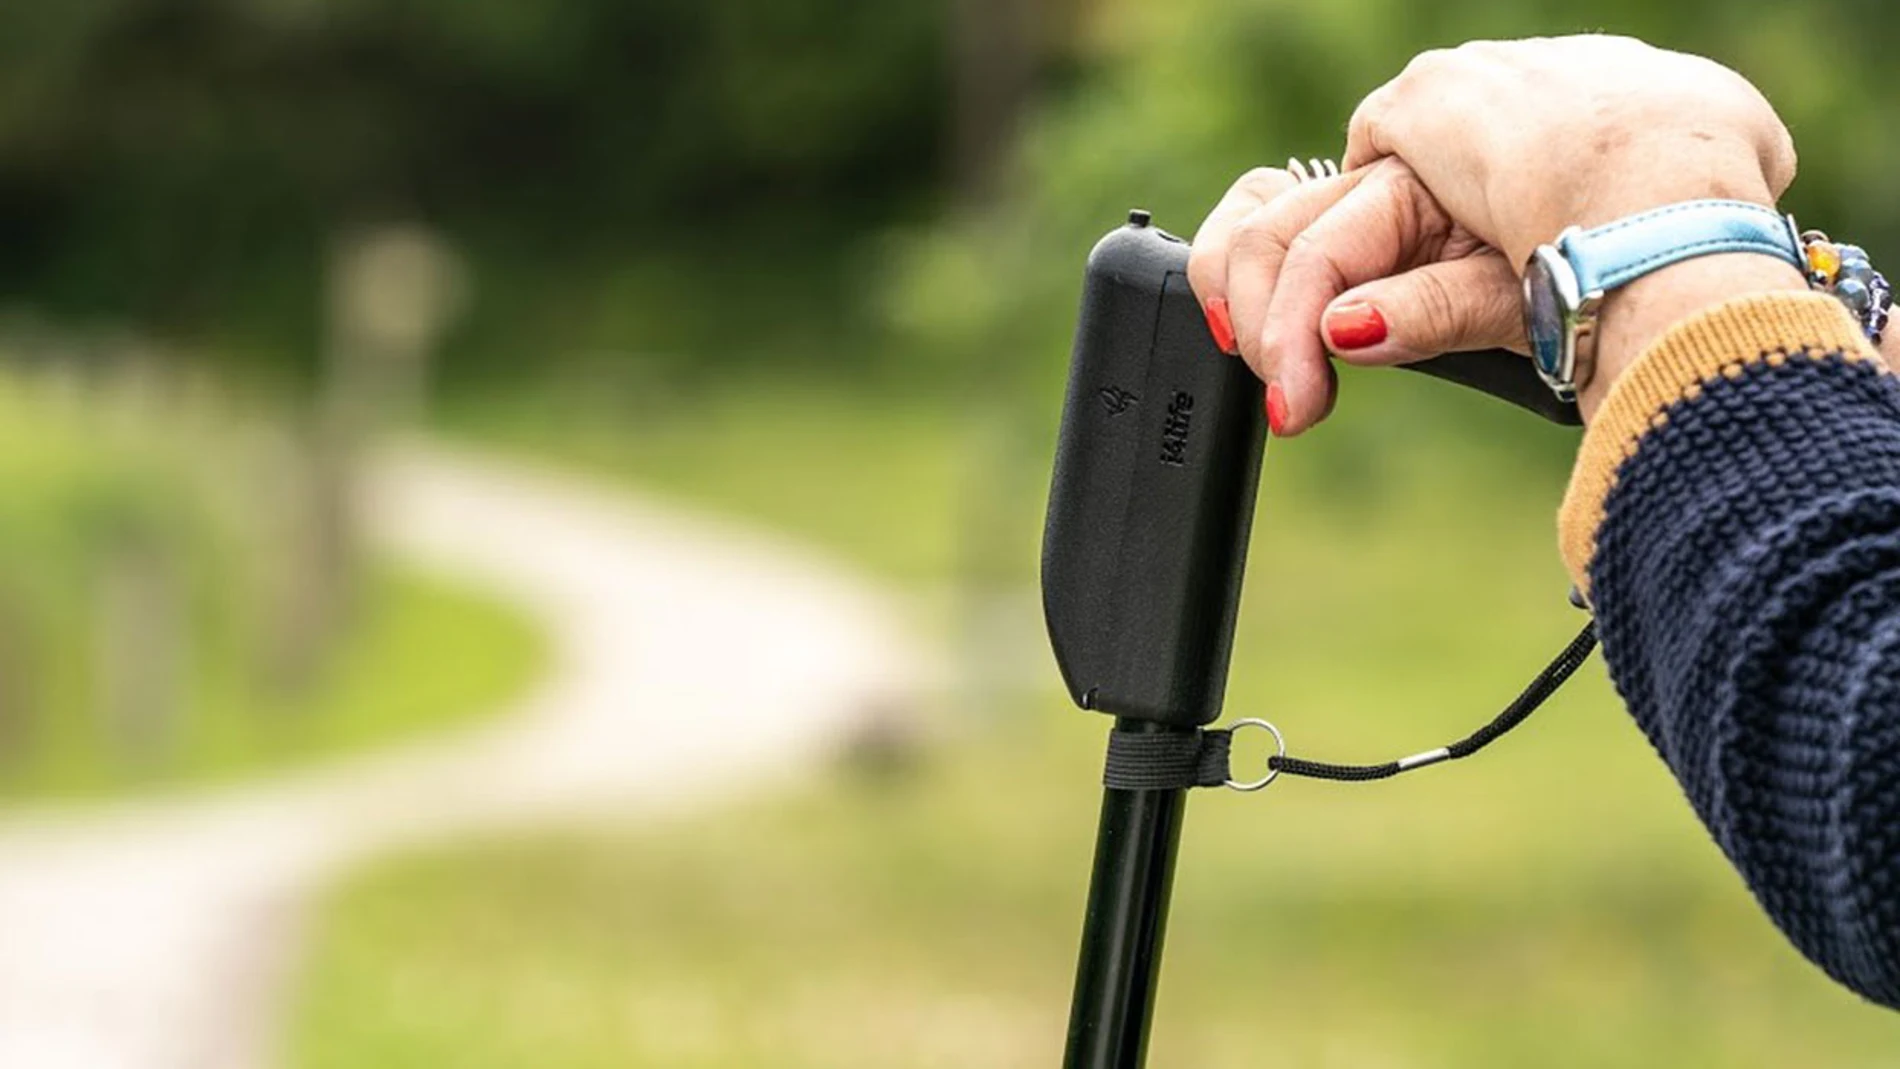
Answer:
[(1149, 516)]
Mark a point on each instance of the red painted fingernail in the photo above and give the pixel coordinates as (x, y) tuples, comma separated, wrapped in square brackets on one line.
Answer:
[(1276, 408), (1355, 326), (1221, 325)]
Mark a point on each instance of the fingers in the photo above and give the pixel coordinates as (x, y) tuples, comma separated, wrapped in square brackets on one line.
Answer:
[(1207, 263), (1425, 117), (1454, 306), (1258, 247), (1385, 223), (1274, 257)]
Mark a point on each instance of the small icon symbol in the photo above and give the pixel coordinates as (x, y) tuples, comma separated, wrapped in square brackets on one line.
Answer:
[(1116, 399)]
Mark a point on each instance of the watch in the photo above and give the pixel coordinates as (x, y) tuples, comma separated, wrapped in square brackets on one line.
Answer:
[(1565, 281)]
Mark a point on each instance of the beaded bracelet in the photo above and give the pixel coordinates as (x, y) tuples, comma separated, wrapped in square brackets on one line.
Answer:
[(1847, 273)]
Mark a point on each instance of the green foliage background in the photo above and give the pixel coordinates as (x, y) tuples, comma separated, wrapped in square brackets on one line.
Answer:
[(676, 188), (182, 163)]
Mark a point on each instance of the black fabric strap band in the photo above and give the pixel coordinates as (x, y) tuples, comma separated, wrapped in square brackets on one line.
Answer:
[(1167, 761), (1177, 761)]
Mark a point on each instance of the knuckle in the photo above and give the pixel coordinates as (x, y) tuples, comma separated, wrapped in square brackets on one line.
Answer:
[(1304, 246), (1258, 234), (1267, 349), (1371, 106), (1425, 66), (1420, 215), (1441, 315), (1305, 251), (1503, 314), (1310, 256), (1509, 310), (1364, 133), (1785, 161), (1254, 353), (1263, 185), (1266, 182)]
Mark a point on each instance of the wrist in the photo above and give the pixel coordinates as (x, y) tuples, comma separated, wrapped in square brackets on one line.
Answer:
[(1637, 314)]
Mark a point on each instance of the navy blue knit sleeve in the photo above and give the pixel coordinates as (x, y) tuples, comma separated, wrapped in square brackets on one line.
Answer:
[(1746, 581)]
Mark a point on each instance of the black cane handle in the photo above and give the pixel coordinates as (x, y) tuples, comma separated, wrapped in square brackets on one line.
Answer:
[(1506, 376), (1157, 469)]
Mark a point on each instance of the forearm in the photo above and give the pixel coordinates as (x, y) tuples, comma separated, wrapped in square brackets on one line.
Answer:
[(1735, 516)]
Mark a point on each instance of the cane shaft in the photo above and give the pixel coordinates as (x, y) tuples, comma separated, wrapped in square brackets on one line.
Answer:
[(1135, 850)]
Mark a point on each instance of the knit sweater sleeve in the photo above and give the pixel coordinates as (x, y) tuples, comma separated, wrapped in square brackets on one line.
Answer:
[(1734, 517)]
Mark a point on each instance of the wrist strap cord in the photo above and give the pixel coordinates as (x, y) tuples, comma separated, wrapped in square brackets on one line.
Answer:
[(1203, 758)]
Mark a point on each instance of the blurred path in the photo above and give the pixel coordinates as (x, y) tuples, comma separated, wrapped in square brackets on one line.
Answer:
[(690, 659)]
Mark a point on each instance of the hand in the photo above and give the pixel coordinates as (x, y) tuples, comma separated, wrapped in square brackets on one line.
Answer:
[(1520, 139), (1405, 282), (1457, 170)]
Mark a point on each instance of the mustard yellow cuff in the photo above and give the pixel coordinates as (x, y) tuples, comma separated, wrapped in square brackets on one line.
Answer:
[(1771, 328)]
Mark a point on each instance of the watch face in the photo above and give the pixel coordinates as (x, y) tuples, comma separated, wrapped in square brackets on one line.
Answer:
[(1550, 304)]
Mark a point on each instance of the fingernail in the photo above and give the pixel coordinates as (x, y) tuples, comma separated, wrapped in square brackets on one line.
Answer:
[(1355, 326), (1276, 408), (1221, 325)]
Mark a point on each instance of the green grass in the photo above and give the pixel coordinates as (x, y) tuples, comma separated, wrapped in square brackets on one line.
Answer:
[(423, 655), (1552, 903)]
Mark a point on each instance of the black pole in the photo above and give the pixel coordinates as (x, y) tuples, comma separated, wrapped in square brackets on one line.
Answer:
[(1127, 916)]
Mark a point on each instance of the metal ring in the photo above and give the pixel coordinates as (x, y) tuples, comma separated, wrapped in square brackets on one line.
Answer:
[(1311, 170), (1273, 773)]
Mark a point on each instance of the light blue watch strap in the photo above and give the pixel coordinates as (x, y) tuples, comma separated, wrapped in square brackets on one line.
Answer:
[(1621, 252)]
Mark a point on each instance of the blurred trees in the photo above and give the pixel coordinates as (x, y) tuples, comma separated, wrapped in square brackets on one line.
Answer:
[(181, 163), (667, 187)]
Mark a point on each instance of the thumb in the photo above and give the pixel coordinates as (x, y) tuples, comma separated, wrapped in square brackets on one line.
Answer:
[(1474, 302)]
